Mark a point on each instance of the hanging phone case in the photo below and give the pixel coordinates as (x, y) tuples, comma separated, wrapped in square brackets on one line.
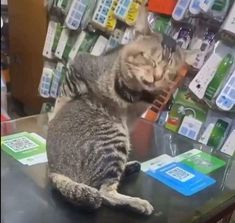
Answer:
[(75, 14), (226, 98), (45, 82)]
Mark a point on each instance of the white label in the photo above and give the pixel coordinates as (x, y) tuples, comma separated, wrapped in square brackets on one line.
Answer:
[(156, 163), (190, 127), (206, 134), (200, 82), (51, 31), (36, 159), (229, 145), (99, 46)]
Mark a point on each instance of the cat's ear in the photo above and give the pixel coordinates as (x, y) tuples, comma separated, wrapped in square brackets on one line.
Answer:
[(142, 26)]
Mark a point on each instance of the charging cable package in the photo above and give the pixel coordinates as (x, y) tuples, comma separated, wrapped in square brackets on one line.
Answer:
[(186, 115), (214, 74)]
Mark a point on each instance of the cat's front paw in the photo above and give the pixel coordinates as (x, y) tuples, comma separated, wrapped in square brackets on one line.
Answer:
[(143, 206), (132, 167)]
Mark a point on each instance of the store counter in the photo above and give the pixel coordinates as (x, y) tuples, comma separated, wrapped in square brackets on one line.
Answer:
[(27, 196)]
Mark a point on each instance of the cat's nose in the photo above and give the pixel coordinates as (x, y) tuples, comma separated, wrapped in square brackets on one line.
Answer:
[(158, 76), (148, 79), (158, 73)]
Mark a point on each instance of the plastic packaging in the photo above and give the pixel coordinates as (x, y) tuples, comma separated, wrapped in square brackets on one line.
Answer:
[(215, 130), (3, 95)]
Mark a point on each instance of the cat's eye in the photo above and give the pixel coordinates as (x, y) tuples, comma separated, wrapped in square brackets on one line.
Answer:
[(153, 64), (170, 62)]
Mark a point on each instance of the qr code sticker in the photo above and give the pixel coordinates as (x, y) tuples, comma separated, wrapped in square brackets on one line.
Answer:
[(20, 144), (180, 174)]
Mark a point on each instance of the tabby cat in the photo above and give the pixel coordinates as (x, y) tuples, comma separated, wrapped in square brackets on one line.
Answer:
[(88, 139)]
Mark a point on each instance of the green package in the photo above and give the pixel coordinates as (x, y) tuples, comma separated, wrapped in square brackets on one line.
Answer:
[(219, 5), (161, 24), (69, 45), (22, 145), (221, 73), (183, 106), (218, 133), (204, 162), (88, 42)]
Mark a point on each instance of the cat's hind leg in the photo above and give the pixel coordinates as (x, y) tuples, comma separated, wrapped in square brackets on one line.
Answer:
[(76, 193), (112, 198)]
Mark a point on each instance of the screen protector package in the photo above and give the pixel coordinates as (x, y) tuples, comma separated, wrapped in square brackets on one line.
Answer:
[(215, 130)]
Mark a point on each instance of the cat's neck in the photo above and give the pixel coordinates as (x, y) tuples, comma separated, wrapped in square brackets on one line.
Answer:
[(125, 93), (114, 86)]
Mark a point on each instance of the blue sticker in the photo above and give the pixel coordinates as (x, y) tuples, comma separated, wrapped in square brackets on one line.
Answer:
[(182, 178)]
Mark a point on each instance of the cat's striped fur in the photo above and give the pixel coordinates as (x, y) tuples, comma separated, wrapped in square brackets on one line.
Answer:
[(88, 140), (72, 85)]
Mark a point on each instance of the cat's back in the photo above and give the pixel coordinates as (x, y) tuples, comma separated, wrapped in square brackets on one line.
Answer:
[(76, 131), (78, 113), (72, 123), (68, 131)]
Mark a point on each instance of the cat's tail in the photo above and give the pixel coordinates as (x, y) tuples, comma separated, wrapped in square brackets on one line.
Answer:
[(76, 193)]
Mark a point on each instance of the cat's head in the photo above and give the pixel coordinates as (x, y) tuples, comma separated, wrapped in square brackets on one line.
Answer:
[(149, 64), (151, 61)]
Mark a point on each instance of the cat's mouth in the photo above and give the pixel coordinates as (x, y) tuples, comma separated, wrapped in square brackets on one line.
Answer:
[(148, 85), (151, 86), (150, 81), (155, 86)]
